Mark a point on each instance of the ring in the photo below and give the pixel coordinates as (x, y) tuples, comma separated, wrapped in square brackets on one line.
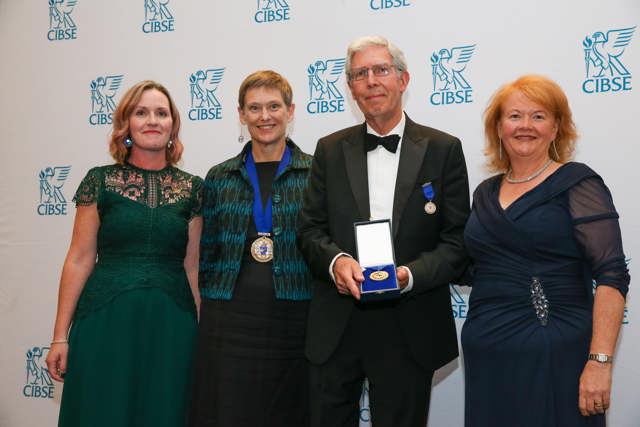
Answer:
[(598, 405)]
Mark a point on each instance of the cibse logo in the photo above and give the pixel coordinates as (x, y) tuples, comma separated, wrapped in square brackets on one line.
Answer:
[(604, 69), (52, 201), (61, 24), (388, 4), (38, 382), (324, 95), (449, 84), (458, 303), (157, 17), (202, 87), (272, 11), (103, 104)]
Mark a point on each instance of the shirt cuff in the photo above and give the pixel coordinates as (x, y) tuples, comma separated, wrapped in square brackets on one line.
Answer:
[(333, 261), (410, 284)]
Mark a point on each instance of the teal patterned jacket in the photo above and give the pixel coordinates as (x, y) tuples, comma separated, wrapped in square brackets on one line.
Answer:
[(227, 210)]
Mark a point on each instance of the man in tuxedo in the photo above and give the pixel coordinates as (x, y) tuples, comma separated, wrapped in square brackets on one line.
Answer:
[(416, 177)]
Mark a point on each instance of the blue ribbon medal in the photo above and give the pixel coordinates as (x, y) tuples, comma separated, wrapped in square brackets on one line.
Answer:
[(429, 194), (262, 247)]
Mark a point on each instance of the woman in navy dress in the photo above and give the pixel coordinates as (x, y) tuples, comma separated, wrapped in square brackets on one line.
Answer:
[(550, 277)]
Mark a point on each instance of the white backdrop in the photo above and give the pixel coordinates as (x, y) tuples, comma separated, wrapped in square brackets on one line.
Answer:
[(65, 64)]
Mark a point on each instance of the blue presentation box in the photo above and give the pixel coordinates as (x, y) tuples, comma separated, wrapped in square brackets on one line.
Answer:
[(375, 256)]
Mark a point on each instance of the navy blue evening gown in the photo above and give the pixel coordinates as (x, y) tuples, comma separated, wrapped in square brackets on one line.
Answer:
[(528, 330)]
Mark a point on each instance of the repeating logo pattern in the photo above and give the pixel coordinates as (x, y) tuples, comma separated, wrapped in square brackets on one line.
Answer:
[(157, 17), (324, 95), (459, 303), (38, 382), (52, 201), (604, 69), (272, 11), (449, 83), (103, 104), (388, 4), (202, 87), (61, 24)]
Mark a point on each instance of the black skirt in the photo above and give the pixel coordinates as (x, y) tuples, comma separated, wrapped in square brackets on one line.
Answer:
[(250, 366)]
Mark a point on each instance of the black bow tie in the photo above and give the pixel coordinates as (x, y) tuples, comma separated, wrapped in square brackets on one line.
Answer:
[(390, 142)]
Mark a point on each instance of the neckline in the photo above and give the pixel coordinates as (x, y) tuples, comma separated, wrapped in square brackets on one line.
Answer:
[(526, 193), (138, 168)]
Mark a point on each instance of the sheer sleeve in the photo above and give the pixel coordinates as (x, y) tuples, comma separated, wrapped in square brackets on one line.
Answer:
[(597, 231), (89, 189), (196, 197)]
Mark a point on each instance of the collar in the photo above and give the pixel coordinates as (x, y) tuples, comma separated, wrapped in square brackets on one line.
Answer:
[(397, 130), (298, 160)]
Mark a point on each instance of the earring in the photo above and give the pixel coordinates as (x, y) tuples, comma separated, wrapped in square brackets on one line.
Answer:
[(500, 148), (170, 145), (241, 136), (555, 150), (128, 142)]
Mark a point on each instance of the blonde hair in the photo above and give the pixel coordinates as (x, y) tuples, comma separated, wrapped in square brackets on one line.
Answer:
[(121, 123), (268, 79), (549, 95)]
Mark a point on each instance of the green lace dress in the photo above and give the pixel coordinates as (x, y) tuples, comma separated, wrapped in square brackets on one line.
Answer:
[(132, 338)]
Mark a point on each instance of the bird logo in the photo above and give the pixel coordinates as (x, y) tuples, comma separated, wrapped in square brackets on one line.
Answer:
[(103, 89), (60, 14), (323, 76), (202, 85), (272, 4), (156, 10), (602, 52), (51, 181), (37, 371), (447, 67)]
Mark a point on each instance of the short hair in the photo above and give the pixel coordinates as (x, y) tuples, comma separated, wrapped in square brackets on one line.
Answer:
[(540, 90), (267, 79), (361, 43), (121, 123)]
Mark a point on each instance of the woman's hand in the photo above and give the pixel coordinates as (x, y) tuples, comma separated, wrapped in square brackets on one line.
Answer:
[(595, 388), (57, 360)]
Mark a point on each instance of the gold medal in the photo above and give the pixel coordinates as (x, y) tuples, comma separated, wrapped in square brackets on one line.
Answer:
[(262, 249), (430, 207), (379, 276)]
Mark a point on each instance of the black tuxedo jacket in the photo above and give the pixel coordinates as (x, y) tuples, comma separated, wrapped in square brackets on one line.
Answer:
[(430, 245)]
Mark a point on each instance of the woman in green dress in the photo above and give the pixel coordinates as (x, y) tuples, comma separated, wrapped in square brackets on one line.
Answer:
[(128, 295)]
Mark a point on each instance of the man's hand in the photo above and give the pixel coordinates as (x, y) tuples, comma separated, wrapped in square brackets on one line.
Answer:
[(402, 274), (348, 276)]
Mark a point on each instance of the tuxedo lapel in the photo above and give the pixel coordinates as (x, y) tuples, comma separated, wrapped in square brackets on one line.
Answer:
[(356, 164), (412, 150)]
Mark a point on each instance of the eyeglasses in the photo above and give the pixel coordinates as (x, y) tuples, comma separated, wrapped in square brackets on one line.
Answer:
[(379, 70)]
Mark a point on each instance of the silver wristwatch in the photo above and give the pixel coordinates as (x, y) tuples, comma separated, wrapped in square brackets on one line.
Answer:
[(601, 357)]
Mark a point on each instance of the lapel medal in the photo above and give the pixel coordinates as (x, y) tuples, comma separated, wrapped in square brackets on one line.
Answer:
[(262, 248), (429, 194)]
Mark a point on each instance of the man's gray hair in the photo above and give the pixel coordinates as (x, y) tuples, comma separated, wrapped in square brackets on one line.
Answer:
[(361, 43)]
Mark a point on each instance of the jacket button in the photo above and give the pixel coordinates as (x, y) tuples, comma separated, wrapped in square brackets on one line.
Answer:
[(277, 270), (276, 198)]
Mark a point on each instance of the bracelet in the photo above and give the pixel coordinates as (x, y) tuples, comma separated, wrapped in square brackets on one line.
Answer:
[(64, 341)]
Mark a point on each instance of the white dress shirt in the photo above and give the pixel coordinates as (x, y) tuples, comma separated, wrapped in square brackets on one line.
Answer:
[(382, 171)]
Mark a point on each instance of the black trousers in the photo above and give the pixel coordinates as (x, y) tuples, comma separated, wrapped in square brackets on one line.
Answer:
[(371, 347)]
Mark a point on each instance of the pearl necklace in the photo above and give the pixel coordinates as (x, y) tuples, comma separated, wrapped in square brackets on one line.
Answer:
[(537, 173)]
